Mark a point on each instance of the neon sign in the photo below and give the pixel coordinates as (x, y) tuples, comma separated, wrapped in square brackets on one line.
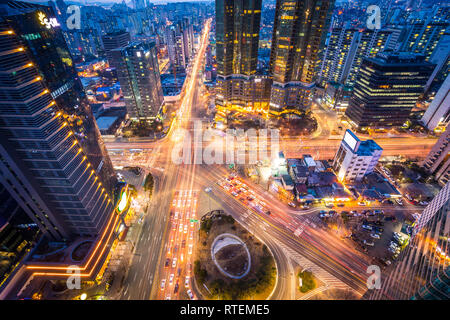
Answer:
[(48, 23)]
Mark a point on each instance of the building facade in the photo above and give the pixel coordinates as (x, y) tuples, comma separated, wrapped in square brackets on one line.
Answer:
[(52, 158), (387, 89), (355, 158), (298, 39), (438, 112), (237, 40), (115, 40), (138, 73), (422, 269), (437, 161)]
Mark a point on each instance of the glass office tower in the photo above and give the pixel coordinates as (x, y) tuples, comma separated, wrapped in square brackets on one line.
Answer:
[(52, 157)]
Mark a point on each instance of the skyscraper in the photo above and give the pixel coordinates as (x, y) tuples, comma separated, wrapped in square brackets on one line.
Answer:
[(237, 36), (437, 161), (422, 35), (138, 73), (52, 158), (176, 46), (299, 34), (422, 269), (438, 112), (387, 88)]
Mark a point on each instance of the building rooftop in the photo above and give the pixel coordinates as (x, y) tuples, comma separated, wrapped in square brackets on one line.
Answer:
[(367, 147), (105, 122)]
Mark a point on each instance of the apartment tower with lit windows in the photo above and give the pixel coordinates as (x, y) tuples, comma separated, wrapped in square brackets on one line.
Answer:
[(298, 39), (237, 40)]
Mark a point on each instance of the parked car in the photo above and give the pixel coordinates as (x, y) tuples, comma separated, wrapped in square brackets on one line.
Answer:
[(375, 235), (367, 243), (191, 296)]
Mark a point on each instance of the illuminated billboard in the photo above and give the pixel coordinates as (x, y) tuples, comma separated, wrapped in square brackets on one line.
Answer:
[(350, 140)]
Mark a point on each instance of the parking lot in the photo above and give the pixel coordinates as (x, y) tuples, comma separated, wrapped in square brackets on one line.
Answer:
[(375, 232)]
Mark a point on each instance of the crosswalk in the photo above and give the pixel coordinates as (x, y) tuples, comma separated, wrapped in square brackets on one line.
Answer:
[(321, 274)]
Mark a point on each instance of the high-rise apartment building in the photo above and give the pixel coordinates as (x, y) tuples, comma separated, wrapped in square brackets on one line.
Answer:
[(138, 73), (340, 44), (237, 40), (423, 35), (347, 47), (115, 40), (422, 270), (369, 44), (298, 39), (387, 89), (52, 158), (437, 161), (177, 46), (355, 158)]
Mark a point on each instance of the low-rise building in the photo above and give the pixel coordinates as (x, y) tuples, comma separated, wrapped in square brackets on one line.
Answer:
[(355, 158)]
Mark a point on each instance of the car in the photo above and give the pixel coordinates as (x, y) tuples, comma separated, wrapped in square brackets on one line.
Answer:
[(183, 243), (191, 296), (331, 213), (234, 193), (291, 204), (305, 206), (171, 278), (399, 202), (186, 282), (174, 262), (341, 204), (367, 227), (191, 235), (190, 249), (353, 212), (361, 203), (180, 229), (163, 284), (166, 265), (398, 235), (168, 297), (322, 211), (175, 290), (375, 235), (367, 243), (178, 272), (329, 205), (185, 228), (423, 203)]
